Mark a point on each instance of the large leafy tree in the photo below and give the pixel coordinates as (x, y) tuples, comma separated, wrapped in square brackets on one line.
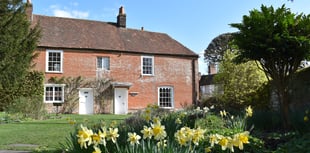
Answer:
[(217, 47), (241, 82), (17, 43), (279, 40)]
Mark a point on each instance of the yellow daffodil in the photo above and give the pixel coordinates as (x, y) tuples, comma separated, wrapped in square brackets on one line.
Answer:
[(223, 113), (97, 150), (96, 139), (213, 139), (113, 124), (133, 138), (103, 134), (148, 110), (158, 130), (240, 139), (181, 137), (147, 117), (249, 111), (162, 143), (112, 134), (224, 142), (147, 132), (208, 149), (198, 135), (178, 121), (156, 120), (306, 119), (84, 137)]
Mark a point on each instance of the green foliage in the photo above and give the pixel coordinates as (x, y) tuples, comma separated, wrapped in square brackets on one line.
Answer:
[(71, 93), (29, 107), (29, 104), (279, 40), (241, 82), (17, 44), (300, 143)]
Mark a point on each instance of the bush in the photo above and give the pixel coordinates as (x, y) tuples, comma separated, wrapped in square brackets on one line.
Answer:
[(28, 107)]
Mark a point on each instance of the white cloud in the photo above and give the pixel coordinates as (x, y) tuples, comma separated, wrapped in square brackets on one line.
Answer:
[(65, 12)]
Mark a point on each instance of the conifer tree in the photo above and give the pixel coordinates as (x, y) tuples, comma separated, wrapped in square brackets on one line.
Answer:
[(17, 43)]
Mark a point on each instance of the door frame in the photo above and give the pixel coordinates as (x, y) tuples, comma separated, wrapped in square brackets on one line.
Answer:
[(125, 96), (92, 100), (123, 85)]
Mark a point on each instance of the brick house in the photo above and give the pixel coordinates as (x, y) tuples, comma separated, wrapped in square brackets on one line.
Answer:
[(146, 67)]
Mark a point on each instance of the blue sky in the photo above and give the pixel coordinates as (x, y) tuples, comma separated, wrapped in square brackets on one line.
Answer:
[(194, 23)]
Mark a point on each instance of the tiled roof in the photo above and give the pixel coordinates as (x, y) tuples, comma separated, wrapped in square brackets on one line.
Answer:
[(86, 34)]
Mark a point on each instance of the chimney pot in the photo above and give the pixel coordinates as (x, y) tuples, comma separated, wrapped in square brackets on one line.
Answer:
[(142, 28), (121, 10)]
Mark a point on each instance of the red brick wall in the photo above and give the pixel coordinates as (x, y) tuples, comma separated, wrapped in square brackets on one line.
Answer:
[(168, 71)]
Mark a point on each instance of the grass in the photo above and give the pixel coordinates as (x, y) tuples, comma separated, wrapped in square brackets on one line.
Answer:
[(47, 134)]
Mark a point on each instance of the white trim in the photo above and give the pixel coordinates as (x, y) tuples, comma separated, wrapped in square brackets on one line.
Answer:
[(54, 85), (151, 57), (61, 60), (172, 96)]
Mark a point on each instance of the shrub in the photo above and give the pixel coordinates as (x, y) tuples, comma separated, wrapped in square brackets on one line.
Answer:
[(27, 107)]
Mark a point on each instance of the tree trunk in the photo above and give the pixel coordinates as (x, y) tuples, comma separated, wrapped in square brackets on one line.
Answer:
[(283, 97)]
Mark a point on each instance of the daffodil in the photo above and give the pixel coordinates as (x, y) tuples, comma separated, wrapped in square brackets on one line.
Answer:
[(213, 139), (156, 120), (198, 135), (223, 113), (96, 139), (158, 130), (97, 150), (178, 121), (112, 134), (133, 138), (206, 109), (147, 132), (113, 124), (84, 137), (306, 119), (208, 149), (103, 134), (249, 111), (147, 117), (162, 143), (240, 139), (181, 136), (223, 142)]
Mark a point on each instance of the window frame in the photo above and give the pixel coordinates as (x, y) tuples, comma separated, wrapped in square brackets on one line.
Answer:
[(53, 93), (142, 66), (47, 61), (171, 96), (102, 64)]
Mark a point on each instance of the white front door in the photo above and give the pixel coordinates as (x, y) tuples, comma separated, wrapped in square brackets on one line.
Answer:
[(86, 101), (120, 100)]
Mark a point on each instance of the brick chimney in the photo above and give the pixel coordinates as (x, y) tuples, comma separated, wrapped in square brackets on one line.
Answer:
[(121, 18), (29, 9)]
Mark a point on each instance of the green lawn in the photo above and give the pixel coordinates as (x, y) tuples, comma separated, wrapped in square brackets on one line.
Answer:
[(46, 133)]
